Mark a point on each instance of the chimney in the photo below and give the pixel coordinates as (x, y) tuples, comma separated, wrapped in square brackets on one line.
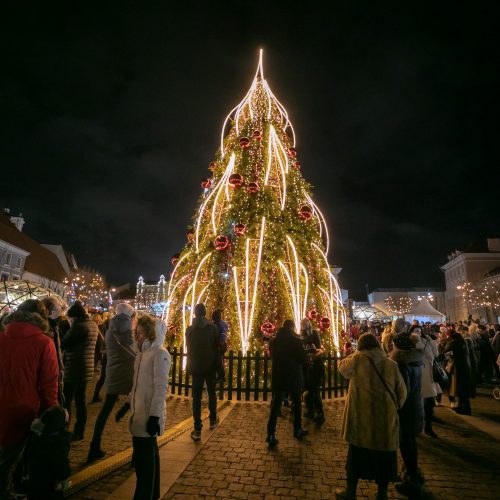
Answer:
[(493, 244), (18, 221)]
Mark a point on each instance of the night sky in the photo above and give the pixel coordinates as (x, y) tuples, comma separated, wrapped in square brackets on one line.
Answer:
[(112, 112)]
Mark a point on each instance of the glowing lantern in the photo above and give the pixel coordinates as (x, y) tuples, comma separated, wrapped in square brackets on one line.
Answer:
[(240, 229), (206, 183), (221, 243), (252, 187), (305, 212), (236, 180), (244, 142)]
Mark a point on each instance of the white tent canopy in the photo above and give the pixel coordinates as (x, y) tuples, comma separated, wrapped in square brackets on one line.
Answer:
[(425, 313)]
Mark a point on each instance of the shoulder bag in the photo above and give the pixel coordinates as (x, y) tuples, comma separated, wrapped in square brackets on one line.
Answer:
[(383, 381)]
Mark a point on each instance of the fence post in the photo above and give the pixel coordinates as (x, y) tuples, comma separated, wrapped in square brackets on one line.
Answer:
[(230, 377), (264, 388), (247, 376), (329, 374), (238, 375), (257, 377), (179, 388), (336, 375), (174, 368)]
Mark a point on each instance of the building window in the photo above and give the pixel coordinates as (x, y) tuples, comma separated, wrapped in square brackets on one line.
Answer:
[(5, 276), (8, 258), (18, 263)]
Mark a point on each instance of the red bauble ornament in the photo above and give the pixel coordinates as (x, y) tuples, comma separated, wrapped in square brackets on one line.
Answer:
[(244, 142), (252, 187), (267, 328), (257, 135), (206, 183), (212, 166), (297, 165), (324, 323), (305, 212), (175, 258), (312, 314), (240, 229), (236, 180), (292, 152), (190, 235), (221, 242)]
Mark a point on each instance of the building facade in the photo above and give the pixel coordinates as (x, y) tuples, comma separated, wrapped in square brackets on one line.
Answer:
[(466, 270), (148, 294)]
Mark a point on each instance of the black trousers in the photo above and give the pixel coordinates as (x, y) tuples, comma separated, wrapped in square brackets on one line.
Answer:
[(409, 452), (102, 376), (146, 460), (102, 418), (77, 391), (275, 409)]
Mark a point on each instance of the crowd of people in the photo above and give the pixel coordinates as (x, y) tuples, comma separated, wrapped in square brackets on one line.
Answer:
[(397, 375)]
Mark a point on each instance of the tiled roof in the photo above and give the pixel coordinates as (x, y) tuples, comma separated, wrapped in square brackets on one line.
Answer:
[(40, 261)]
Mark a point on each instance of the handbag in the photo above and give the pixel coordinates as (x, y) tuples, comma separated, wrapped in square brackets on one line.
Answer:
[(439, 375), (449, 366)]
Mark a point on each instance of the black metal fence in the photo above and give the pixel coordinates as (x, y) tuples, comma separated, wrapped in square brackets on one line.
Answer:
[(248, 377)]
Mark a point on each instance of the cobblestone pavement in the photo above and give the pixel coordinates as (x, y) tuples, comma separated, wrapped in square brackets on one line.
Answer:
[(116, 438), (236, 463)]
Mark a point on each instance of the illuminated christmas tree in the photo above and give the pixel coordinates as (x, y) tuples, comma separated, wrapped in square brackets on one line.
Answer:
[(258, 245)]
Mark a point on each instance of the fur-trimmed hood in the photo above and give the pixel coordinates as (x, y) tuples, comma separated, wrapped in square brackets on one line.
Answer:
[(26, 317)]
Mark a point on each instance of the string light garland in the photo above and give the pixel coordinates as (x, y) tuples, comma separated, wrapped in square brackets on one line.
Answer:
[(258, 244), (399, 305)]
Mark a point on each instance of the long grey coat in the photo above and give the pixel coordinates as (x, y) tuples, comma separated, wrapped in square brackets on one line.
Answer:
[(370, 417), (121, 355)]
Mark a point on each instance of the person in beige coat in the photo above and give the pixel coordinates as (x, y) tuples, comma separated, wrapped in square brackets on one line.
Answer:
[(370, 422)]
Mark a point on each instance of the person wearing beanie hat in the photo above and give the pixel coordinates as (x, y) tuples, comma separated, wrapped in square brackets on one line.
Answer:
[(120, 356), (78, 347), (48, 456), (202, 342)]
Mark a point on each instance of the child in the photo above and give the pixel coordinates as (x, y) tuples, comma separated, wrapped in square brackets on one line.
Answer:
[(48, 456), (222, 329)]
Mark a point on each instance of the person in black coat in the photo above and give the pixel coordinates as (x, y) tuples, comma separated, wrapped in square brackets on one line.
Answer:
[(288, 357), (78, 346)]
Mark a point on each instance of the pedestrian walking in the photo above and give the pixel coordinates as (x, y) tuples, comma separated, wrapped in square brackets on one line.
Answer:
[(370, 423), (147, 404), (288, 358), (119, 341), (28, 385), (202, 342), (78, 347)]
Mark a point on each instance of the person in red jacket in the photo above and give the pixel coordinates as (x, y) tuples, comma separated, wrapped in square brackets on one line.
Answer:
[(28, 385)]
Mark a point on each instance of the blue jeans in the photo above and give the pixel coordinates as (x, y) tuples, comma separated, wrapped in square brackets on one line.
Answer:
[(198, 381)]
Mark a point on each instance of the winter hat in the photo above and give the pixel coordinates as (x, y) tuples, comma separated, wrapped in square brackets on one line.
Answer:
[(76, 311), (124, 308), (200, 311), (52, 421)]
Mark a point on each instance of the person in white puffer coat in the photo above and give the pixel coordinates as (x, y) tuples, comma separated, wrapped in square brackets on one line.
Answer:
[(147, 404)]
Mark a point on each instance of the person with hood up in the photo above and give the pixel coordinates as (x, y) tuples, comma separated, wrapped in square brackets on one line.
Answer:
[(408, 354), (78, 346), (48, 456), (120, 356), (370, 422), (28, 385), (147, 404), (202, 342)]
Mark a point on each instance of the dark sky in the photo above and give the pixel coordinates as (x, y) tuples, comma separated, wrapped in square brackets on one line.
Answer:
[(111, 113)]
